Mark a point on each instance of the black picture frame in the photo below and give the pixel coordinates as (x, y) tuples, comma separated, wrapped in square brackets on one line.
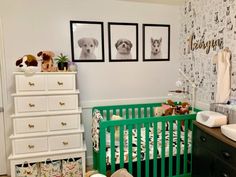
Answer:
[(126, 35), (156, 42), (87, 41)]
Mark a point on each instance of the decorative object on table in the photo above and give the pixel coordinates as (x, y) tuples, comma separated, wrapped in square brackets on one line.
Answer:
[(73, 67), (47, 61), (27, 170), (156, 42), (87, 41), (123, 41), (27, 64), (62, 62)]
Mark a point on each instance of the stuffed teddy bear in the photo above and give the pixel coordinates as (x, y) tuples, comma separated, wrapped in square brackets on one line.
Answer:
[(28, 64), (47, 61)]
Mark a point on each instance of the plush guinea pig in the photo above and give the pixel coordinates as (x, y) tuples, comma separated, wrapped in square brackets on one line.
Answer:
[(27, 64)]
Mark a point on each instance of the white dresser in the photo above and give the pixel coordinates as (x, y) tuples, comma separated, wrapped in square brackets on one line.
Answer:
[(47, 119)]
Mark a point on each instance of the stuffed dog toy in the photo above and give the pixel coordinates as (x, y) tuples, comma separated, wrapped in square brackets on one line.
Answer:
[(123, 47), (88, 46), (27, 63), (156, 48), (47, 61)]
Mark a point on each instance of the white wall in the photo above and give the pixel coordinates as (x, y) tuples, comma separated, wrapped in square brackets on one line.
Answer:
[(31, 25)]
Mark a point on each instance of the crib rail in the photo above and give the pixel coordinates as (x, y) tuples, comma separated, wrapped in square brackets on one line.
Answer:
[(174, 165), (128, 111)]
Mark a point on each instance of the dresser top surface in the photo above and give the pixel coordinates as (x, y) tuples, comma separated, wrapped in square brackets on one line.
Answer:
[(216, 132), (45, 73)]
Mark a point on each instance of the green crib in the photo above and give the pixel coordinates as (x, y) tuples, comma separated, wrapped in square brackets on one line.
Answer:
[(148, 145)]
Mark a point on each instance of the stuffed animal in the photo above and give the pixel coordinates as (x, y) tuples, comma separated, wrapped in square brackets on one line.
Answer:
[(28, 64), (184, 108), (47, 61)]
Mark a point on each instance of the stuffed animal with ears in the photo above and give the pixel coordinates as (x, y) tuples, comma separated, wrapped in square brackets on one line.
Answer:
[(47, 61), (28, 64)]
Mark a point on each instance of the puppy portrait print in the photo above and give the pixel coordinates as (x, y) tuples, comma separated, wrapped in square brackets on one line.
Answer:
[(156, 48), (123, 45), (156, 42), (87, 41), (88, 46)]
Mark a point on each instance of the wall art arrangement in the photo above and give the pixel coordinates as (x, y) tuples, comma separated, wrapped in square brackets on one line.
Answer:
[(121, 47), (206, 29), (156, 42), (87, 42)]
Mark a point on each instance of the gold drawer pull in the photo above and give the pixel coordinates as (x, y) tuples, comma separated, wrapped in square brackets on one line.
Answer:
[(31, 84), (59, 83), (63, 123), (30, 146), (30, 125), (65, 143), (31, 105), (62, 103)]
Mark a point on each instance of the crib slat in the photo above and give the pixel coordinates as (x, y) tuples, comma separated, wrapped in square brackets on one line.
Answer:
[(147, 150), (130, 151), (145, 112), (185, 146), (127, 113), (133, 113), (171, 149), (121, 112), (163, 142), (178, 148), (102, 149), (139, 112), (138, 150), (121, 146), (112, 137), (108, 114), (155, 150)]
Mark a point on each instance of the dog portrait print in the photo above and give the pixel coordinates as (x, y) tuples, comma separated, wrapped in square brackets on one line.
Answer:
[(123, 47), (156, 48), (88, 46)]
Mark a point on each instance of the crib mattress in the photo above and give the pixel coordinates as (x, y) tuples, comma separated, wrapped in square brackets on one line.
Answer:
[(151, 145)]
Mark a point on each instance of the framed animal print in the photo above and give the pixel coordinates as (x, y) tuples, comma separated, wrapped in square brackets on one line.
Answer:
[(156, 42), (87, 41), (123, 42)]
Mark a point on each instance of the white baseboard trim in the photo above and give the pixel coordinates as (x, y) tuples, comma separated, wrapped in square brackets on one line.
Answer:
[(106, 102)]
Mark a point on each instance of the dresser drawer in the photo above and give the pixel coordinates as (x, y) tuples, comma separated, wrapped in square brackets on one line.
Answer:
[(227, 153), (61, 82), (64, 122), (65, 102), (30, 83), (207, 141), (223, 170), (30, 145), (30, 125), (30, 104), (65, 142)]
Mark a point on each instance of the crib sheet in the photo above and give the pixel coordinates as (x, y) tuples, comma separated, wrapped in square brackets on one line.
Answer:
[(151, 145)]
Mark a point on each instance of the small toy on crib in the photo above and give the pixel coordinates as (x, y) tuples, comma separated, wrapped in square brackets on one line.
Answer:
[(117, 128)]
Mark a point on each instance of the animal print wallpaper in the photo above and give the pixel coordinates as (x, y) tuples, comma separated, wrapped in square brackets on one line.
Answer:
[(207, 26)]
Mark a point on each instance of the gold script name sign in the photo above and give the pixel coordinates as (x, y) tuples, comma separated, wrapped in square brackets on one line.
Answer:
[(194, 44)]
